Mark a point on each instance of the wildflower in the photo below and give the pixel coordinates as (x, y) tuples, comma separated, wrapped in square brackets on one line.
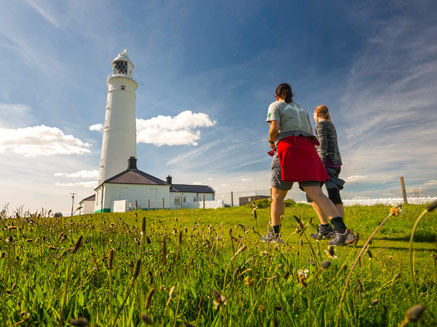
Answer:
[(303, 275), (396, 211), (311, 262), (219, 300), (249, 281), (331, 252)]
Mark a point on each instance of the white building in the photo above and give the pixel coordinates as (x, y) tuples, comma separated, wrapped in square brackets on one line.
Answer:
[(123, 187)]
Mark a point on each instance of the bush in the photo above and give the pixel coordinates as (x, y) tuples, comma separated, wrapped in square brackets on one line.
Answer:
[(265, 203)]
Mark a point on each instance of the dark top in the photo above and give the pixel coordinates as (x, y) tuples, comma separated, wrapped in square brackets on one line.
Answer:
[(328, 147)]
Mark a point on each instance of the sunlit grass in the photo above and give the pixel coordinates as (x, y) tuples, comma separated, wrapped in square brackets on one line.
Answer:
[(208, 268)]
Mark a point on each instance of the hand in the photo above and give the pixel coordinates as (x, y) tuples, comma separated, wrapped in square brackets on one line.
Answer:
[(272, 145)]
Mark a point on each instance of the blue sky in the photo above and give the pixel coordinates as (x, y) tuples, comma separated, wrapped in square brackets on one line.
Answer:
[(207, 71)]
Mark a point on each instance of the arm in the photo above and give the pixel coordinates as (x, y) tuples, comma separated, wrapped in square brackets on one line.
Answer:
[(273, 132), (323, 140)]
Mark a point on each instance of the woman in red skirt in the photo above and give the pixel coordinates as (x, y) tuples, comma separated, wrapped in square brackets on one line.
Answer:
[(296, 160)]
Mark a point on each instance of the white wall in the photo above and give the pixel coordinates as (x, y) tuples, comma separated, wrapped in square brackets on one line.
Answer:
[(87, 207), (141, 193), (189, 200)]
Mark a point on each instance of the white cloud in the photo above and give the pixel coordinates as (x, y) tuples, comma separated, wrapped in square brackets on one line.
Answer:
[(96, 127), (40, 141), (355, 179), (430, 183), (92, 184), (80, 174), (43, 12), (389, 101), (14, 115), (177, 130), (246, 179)]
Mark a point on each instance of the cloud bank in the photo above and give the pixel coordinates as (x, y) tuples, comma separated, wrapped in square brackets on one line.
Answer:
[(80, 174), (40, 141), (178, 130)]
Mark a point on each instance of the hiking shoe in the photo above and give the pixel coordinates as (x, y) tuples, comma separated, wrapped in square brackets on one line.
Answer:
[(343, 239), (271, 237), (325, 232)]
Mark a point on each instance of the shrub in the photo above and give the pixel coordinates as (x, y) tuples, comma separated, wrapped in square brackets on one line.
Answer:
[(265, 203)]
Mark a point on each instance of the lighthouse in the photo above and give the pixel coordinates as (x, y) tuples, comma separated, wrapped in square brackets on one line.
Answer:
[(119, 133)]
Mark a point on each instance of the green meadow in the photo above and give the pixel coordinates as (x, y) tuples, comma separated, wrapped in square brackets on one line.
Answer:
[(208, 268)]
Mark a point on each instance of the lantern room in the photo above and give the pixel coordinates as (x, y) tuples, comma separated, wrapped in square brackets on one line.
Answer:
[(122, 66)]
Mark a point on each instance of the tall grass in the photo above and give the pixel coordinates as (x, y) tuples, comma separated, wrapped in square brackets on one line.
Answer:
[(208, 267)]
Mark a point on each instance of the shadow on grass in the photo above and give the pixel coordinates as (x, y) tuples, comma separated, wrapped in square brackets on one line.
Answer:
[(402, 249), (421, 237)]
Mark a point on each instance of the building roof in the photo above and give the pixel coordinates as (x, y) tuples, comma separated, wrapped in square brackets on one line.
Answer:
[(134, 176), (185, 188), (90, 198)]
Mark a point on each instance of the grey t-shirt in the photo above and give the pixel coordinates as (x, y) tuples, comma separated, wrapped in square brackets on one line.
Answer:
[(292, 117)]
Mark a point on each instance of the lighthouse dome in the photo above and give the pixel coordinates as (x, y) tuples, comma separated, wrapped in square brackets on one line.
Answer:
[(122, 65)]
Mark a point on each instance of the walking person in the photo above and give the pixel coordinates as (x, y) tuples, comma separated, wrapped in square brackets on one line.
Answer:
[(295, 159), (330, 155)]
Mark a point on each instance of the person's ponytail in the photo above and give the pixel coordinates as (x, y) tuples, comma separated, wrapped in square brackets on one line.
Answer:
[(284, 91)]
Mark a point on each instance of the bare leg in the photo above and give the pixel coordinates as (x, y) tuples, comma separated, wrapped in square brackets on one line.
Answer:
[(326, 206), (277, 207), (322, 218)]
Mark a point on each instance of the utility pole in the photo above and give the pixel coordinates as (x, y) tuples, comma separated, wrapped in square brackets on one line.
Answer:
[(72, 203)]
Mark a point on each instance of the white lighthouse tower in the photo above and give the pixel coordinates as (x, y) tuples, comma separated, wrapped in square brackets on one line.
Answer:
[(119, 134)]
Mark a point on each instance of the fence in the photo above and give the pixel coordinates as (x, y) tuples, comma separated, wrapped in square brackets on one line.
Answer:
[(394, 191)]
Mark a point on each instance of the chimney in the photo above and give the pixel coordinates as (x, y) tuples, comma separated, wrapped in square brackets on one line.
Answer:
[(169, 179), (132, 163)]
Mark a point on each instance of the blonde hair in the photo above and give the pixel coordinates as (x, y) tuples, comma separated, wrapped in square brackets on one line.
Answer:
[(323, 112)]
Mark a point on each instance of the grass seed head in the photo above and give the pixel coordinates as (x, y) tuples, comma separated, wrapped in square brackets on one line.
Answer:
[(77, 245), (81, 322), (111, 258), (374, 302), (430, 207), (136, 271), (414, 313), (325, 264), (149, 298), (147, 319)]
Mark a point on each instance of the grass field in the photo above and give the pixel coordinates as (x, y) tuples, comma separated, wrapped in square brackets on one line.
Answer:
[(208, 268)]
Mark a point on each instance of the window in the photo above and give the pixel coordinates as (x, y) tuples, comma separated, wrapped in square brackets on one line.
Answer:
[(120, 67), (195, 199), (123, 87), (177, 201), (185, 199)]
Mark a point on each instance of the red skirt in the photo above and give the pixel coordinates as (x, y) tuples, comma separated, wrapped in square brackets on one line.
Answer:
[(299, 160)]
